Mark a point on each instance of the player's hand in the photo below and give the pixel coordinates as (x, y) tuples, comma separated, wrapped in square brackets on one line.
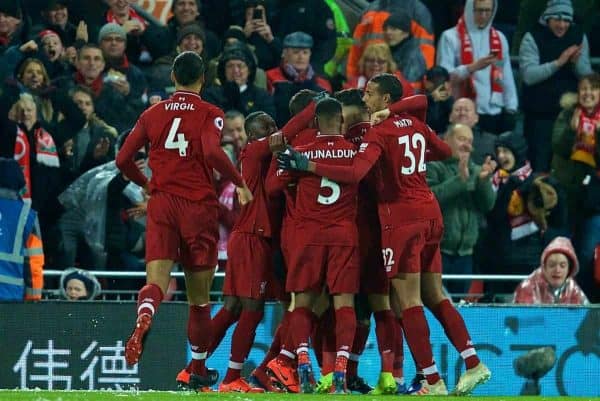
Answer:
[(487, 168), (244, 195), (292, 160), (379, 116), (320, 96), (276, 142)]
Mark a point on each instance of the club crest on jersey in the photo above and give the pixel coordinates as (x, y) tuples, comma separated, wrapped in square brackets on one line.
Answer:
[(363, 147), (219, 123), (403, 122)]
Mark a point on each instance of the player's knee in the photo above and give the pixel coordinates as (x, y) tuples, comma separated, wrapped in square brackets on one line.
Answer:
[(379, 302), (253, 305)]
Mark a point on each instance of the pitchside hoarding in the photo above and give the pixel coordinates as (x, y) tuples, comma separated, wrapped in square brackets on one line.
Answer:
[(61, 345)]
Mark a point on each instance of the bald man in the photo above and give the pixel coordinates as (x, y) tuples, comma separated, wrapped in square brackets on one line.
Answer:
[(464, 191), (464, 112)]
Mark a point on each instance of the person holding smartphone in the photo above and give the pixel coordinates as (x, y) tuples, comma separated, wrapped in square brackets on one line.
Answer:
[(259, 34)]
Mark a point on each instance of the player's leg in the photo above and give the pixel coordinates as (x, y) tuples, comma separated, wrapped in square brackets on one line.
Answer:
[(385, 333), (323, 335), (223, 320), (363, 327), (241, 343), (198, 282), (158, 274), (456, 331), (345, 328)]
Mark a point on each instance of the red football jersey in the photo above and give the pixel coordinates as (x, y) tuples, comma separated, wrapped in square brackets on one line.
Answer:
[(403, 193), (326, 209), (257, 216), (184, 134)]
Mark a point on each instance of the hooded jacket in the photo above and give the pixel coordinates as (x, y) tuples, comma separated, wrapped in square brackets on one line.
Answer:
[(449, 57), (536, 290)]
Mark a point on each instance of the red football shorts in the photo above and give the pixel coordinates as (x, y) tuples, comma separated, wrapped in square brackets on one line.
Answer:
[(413, 248), (249, 265), (313, 266), (182, 230)]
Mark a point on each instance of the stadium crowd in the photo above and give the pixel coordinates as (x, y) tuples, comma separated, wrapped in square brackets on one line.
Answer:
[(520, 193)]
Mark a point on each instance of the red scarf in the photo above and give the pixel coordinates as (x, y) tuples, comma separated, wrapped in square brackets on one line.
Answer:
[(466, 57), (501, 176), (96, 85), (584, 148), (45, 153), (111, 17)]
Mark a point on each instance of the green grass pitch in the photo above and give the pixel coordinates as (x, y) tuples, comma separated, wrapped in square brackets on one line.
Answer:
[(32, 395)]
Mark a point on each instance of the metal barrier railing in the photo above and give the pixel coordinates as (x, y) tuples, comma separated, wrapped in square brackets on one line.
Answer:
[(128, 274)]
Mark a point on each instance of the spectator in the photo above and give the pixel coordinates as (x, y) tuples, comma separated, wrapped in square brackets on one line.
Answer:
[(405, 48), (92, 146), (439, 100), (370, 29), (131, 81), (377, 59), (11, 28), (575, 164), (294, 73), (186, 12), (528, 214), (465, 194), (464, 112), (313, 17), (233, 126), (552, 56), (259, 34), (237, 92), (21, 254), (478, 59), (189, 38), (56, 18), (554, 281), (78, 285), (109, 90), (511, 155)]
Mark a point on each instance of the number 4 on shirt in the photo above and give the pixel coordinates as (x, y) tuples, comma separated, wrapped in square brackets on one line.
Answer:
[(180, 143)]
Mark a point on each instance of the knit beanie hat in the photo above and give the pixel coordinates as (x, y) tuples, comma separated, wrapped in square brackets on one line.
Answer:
[(92, 286), (235, 31), (190, 29), (516, 143), (399, 20), (110, 29), (559, 9)]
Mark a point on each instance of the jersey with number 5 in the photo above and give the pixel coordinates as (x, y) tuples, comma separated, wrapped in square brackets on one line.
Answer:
[(326, 210), (184, 135), (405, 144)]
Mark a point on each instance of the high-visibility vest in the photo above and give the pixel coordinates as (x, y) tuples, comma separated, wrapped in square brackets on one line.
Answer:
[(370, 30), (21, 254)]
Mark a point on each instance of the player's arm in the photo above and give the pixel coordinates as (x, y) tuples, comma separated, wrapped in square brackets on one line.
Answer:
[(414, 105), (436, 148), (277, 180), (125, 158), (299, 122), (353, 174)]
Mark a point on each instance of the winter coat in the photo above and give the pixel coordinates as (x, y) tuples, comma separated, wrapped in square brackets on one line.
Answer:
[(463, 203), (570, 173), (536, 290)]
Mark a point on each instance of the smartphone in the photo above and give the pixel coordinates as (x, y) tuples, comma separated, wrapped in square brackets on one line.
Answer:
[(257, 13)]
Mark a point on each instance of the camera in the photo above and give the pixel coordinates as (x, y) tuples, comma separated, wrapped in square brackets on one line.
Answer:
[(257, 13)]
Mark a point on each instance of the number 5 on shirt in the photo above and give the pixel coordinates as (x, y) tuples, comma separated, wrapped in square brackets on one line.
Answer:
[(335, 192), (180, 143)]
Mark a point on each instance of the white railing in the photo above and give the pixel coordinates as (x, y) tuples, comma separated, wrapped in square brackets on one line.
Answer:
[(128, 274)]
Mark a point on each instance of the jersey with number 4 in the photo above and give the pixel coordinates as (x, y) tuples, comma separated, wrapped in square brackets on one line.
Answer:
[(326, 210), (404, 142), (184, 134)]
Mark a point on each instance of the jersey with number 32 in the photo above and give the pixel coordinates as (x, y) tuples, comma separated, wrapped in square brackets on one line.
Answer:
[(174, 129), (404, 142), (326, 210)]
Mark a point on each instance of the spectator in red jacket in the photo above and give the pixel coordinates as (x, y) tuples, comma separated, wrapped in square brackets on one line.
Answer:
[(553, 282)]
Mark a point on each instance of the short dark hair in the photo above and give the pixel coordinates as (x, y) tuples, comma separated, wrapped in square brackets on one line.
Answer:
[(89, 46), (328, 108), (351, 97), (188, 68), (300, 100), (389, 84), (233, 113)]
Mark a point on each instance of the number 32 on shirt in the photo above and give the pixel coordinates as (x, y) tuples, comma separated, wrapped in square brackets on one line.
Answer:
[(413, 144)]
